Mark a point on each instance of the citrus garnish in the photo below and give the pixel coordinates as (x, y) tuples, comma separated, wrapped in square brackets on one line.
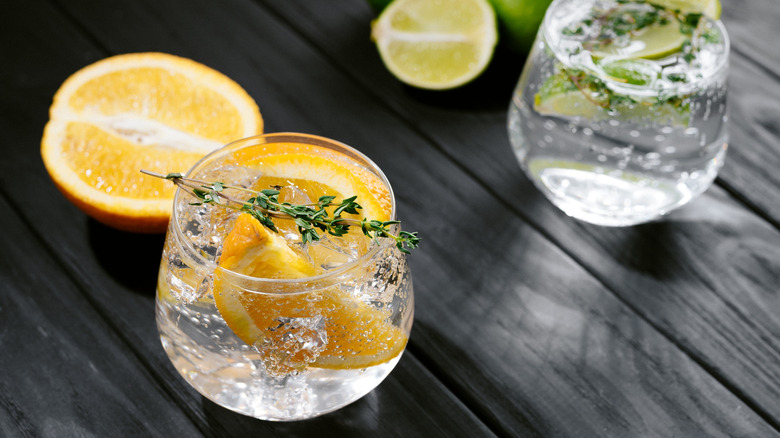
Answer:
[(145, 110), (585, 96), (652, 42), (325, 328), (710, 8), (436, 45)]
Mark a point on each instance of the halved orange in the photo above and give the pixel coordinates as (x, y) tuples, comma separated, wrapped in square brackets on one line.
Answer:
[(139, 111), (356, 334)]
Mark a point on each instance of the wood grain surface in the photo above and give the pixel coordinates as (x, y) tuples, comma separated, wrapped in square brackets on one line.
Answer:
[(527, 323)]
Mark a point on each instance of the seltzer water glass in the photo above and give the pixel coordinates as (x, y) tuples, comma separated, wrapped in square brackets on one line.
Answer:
[(620, 113), (275, 376)]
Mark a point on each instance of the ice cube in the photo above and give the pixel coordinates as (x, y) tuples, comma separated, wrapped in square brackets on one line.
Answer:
[(331, 252), (292, 345)]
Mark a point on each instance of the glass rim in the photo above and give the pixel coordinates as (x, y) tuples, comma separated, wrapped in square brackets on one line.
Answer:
[(713, 72), (330, 277)]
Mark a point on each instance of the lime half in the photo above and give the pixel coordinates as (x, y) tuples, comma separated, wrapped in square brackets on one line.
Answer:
[(436, 45)]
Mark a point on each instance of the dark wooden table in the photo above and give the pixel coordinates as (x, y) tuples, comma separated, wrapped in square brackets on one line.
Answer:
[(528, 323)]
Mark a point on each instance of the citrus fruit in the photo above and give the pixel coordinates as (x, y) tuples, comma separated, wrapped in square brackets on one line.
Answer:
[(139, 111), (710, 8), (652, 42), (340, 330), (558, 96), (436, 45), (519, 20)]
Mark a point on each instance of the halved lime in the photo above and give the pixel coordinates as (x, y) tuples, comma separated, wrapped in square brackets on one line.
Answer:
[(652, 42), (710, 8), (436, 44)]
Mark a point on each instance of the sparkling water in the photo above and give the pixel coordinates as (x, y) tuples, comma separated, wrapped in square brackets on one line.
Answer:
[(274, 378), (613, 139)]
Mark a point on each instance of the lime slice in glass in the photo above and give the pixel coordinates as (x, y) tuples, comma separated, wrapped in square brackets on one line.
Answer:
[(436, 44), (632, 71), (559, 96), (710, 8), (652, 42)]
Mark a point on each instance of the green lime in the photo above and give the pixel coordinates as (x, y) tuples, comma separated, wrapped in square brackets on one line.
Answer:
[(632, 71), (378, 5), (710, 8), (652, 42), (519, 20), (436, 45), (559, 96)]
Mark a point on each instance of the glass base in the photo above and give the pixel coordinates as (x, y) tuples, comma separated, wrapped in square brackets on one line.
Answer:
[(231, 374), (603, 199)]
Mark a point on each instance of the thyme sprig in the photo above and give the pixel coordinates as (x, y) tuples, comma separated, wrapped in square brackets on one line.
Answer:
[(264, 205), (620, 21)]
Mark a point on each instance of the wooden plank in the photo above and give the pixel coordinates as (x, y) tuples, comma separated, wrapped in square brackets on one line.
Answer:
[(432, 179), (66, 371), (715, 317), (754, 143), (536, 345), (105, 281)]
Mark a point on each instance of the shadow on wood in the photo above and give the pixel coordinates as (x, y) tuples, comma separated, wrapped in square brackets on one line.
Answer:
[(131, 259)]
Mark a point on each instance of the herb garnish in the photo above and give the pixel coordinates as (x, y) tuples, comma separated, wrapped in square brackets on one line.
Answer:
[(265, 204)]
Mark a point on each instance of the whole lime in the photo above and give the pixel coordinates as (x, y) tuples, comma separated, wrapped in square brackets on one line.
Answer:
[(518, 21)]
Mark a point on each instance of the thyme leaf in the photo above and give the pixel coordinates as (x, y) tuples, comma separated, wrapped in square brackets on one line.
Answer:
[(263, 205)]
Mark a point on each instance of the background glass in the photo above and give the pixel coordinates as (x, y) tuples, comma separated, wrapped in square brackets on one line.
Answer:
[(614, 138)]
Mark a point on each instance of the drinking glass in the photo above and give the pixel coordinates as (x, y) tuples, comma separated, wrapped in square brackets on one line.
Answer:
[(620, 127), (279, 373)]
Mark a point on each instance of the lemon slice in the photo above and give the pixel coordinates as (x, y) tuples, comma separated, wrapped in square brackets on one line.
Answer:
[(436, 45), (710, 8)]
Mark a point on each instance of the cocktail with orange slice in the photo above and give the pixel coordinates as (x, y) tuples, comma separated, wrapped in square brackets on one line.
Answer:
[(264, 321)]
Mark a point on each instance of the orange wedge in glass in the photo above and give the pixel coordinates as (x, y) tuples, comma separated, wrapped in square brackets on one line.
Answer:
[(352, 334), (139, 111)]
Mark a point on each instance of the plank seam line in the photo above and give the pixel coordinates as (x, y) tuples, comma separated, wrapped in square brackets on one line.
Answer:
[(147, 367), (80, 27), (465, 400), (747, 203), (712, 371), (738, 51)]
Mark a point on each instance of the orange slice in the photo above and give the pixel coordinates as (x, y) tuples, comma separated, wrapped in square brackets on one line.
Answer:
[(139, 111), (327, 328)]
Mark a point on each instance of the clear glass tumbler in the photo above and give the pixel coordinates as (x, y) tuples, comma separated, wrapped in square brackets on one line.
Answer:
[(279, 349), (620, 113)]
